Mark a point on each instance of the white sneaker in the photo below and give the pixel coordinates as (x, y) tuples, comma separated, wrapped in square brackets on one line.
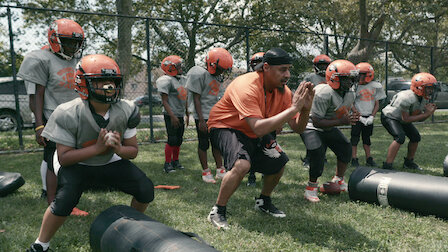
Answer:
[(207, 176), (218, 220), (220, 172), (311, 194), (341, 182)]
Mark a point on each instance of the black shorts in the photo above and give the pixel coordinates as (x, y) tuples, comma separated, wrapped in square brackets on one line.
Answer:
[(121, 174), (264, 154), (203, 137), (175, 135), (400, 130)]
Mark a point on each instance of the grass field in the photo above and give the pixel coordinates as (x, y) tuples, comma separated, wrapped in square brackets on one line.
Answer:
[(334, 224)]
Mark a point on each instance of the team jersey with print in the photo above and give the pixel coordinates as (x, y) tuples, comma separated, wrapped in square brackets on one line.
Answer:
[(366, 95), (55, 74), (176, 91), (245, 97), (72, 124), (406, 101), (315, 79), (200, 81), (328, 104)]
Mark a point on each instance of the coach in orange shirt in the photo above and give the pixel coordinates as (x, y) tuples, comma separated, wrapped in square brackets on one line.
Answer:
[(254, 105)]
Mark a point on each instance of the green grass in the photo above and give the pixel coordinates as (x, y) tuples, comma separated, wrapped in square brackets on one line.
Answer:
[(334, 224)]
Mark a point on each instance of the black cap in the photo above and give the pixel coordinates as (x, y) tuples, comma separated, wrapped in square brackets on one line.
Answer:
[(277, 56)]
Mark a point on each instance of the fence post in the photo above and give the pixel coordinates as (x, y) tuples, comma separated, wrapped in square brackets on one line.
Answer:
[(431, 70), (247, 50), (326, 45), (14, 78), (386, 64), (148, 69)]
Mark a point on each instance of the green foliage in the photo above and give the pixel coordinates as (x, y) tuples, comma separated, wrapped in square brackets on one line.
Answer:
[(334, 224)]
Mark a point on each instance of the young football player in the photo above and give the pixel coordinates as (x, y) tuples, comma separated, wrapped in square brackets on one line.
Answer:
[(368, 94), (331, 106), (405, 108), (95, 137), (50, 73), (171, 87), (205, 87), (320, 64)]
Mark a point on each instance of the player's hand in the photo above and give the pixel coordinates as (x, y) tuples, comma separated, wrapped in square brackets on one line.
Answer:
[(354, 117), (175, 122), (113, 140), (101, 141), (40, 139), (345, 119), (203, 126), (430, 108)]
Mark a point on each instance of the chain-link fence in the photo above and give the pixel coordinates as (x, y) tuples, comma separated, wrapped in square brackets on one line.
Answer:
[(139, 44)]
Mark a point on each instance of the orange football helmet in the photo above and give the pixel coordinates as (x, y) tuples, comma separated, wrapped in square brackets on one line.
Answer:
[(367, 69), (98, 67), (218, 60), (341, 72), (172, 65), (320, 64), (66, 38), (255, 60), (423, 84)]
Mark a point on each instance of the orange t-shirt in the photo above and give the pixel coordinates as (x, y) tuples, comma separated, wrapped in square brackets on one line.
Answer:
[(245, 97)]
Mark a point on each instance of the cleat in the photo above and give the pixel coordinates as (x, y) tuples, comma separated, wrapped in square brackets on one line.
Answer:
[(176, 165), (410, 164), (36, 248), (311, 194), (341, 182), (220, 172), (355, 162), (251, 180), (168, 168), (218, 220), (207, 177), (266, 206), (387, 166), (370, 162)]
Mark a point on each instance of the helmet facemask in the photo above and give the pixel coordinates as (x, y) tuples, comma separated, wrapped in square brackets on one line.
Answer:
[(103, 95), (320, 68)]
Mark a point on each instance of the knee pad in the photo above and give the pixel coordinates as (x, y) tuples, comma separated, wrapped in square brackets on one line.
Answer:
[(145, 193), (415, 138), (311, 139), (400, 138), (344, 153), (203, 144), (317, 160), (67, 198)]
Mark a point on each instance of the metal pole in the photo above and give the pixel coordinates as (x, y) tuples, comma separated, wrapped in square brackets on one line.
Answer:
[(14, 78), (431, 70), (386, 64), (326, 45), (247, 50), (148, 69)]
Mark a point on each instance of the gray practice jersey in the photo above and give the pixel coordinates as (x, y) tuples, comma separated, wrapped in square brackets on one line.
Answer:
[(315, 79), (176, 91), (328, 104), (72, 124), (406, 101), (200, 81), (57, 75), (366, 95)]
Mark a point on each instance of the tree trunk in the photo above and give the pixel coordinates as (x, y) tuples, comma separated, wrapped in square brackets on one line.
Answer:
[(124, 45)]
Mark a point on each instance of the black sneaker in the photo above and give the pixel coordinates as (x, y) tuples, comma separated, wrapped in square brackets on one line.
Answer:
[(410, 164), (176, 165), (387, 166), (218, 220), (355, 162), (36, 248), (370, 162), (167, 167), (266, 206), (251, 180), (43, 195)]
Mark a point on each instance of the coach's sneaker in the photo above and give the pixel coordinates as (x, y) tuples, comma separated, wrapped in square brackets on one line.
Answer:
[(341, 182), (168, 168), (387, 166), (410, 164), (176, 165), (36, 248), (220, 172), (265, 205), (370, 162), (311, 193), (207, 176), (218, 220)]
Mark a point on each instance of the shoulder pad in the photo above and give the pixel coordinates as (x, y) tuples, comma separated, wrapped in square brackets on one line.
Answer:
[(134, 119), (376, 84)]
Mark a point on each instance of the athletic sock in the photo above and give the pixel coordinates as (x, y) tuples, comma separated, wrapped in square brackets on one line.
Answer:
[(168, 153), (43, 174), (45, 245), (312, 184), (176, 150)]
